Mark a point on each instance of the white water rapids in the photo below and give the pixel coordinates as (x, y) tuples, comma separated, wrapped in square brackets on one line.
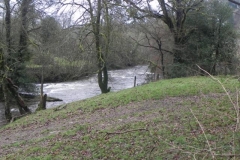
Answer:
[(86, 88)]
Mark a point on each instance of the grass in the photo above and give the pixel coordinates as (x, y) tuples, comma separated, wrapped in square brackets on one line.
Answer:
[(184, 118)]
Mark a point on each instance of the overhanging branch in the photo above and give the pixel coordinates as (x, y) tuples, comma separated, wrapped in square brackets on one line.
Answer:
[(149, 13), (234, 1)]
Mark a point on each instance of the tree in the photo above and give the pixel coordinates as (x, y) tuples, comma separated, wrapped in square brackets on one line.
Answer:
[(96, 21), (158, 39), (124, 49), (94, 17), (48, 33), (214, 38), (23, 40), (20, 54), (4, 60), (202, 32), (6, 64), (96, 27), (173, 14)]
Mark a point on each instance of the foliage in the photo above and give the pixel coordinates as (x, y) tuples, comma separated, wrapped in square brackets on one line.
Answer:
[(202, 31), (212, 43), (50, 28)]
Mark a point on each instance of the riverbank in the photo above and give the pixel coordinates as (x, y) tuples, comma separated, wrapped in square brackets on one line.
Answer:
[(58, 73), (85, 88), (183, 118)]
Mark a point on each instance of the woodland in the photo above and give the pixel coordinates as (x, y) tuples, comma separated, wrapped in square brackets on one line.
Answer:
[(54, 41)]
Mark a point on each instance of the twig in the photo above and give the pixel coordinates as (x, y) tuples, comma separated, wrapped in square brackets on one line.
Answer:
[(233, 141), (133, 130), (210, 149), (182, 149), (236, 107), (228, 155), (151, 152), (18, 117)]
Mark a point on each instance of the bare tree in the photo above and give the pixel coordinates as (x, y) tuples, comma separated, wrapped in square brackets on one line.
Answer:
[(96, 26), (96, 16), (173, 14), (159, 40)]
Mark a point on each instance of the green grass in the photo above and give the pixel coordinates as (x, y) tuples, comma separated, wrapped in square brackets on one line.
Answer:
[(162, 125), (152, 91)]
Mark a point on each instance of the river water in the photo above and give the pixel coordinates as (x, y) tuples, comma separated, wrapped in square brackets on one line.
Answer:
[(86, 88)]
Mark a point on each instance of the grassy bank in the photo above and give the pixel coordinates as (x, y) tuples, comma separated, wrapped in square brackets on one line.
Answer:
[(182, 118)]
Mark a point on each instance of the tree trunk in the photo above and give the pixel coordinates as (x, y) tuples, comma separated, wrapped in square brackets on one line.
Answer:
[(42, 104), (8, 114), (23, 40), (162, 58), (101, 57), (103, 79), (102, 68), (22, 53), (5, 60), (8, 26), (14, 90), (176, 27), (4, 87)]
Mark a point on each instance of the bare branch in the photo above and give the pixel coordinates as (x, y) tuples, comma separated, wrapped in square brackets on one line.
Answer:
[(235, 2), (236, 107), (133, 130), (209, 146), (149, 13)]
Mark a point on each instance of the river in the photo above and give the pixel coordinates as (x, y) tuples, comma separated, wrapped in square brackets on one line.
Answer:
[(88, 87)]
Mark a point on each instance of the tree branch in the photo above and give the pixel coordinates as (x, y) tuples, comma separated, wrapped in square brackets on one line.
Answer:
[(149, 13), (133, 130), (234, 1)]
